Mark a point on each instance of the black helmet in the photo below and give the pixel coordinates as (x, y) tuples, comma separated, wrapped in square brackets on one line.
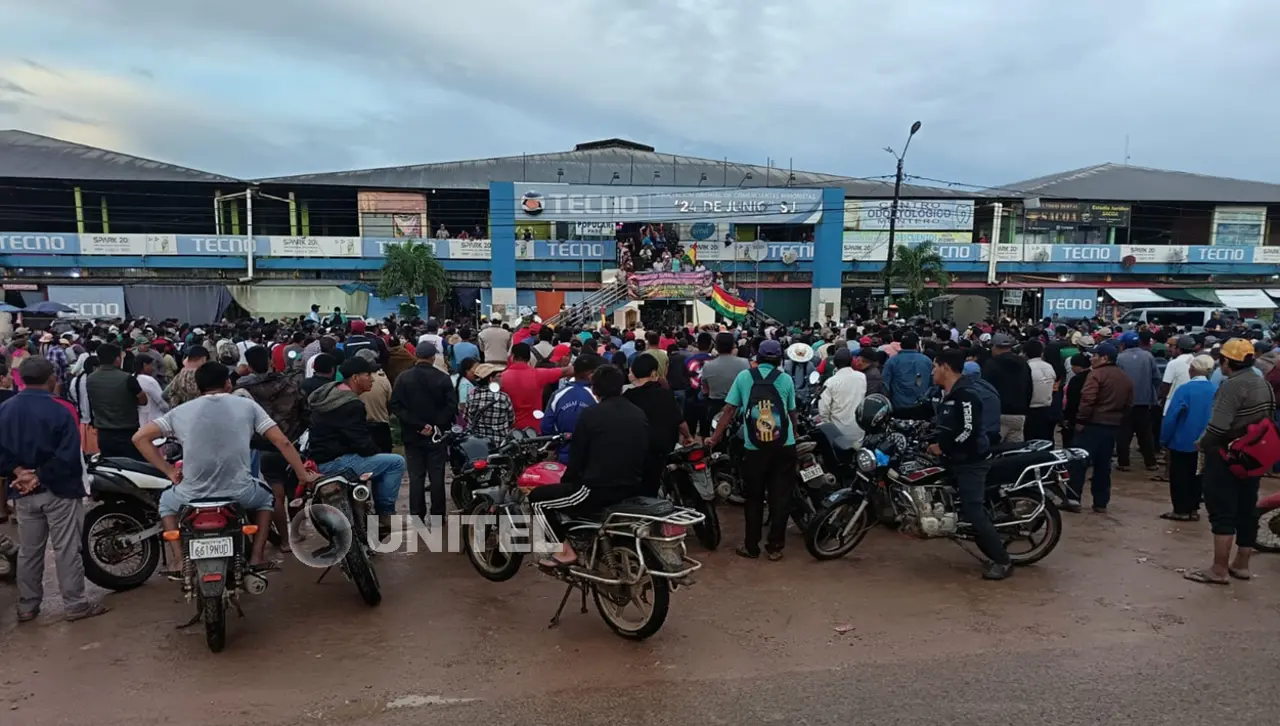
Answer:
[(873, 413)]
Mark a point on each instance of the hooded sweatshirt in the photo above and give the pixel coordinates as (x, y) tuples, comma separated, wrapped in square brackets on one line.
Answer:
[(1267, 361), (282, 399), (338, 424)]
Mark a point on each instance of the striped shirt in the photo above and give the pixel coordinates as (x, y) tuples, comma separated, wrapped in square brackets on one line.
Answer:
[(1243, 399)]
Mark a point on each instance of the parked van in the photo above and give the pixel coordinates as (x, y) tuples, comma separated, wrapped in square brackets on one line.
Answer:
[(1193, 319)]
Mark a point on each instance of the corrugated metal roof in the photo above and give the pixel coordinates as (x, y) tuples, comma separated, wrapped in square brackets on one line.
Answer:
[(25, 155), (1123, 183), (614, 161)]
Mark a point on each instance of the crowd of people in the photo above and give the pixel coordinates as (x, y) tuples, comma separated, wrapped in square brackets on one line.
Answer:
[(239, 394)]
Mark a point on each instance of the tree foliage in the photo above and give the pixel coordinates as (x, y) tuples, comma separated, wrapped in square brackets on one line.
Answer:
[(411, 269), (914, 268)]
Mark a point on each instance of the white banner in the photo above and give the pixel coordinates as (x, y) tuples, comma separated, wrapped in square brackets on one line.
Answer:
[(710, 249), (1012, 296), (595, 229), (1239, 226), (128, 244), (1266, 255), (470, 249), (1155, 254), (873, 246), (525, 249), (315, 246), (913, 214)]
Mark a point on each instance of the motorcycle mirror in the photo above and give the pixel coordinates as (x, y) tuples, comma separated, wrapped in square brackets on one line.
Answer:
[(538, 415), (814, 377), (495, 386)]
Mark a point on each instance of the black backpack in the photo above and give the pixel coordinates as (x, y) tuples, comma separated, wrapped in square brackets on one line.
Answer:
[(767, 422), (538, 360)]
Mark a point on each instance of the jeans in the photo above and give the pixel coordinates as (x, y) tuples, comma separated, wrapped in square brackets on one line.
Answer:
[(769, 473), (1136, 421), (426, 462), (387, 470), (1038, 424), (713, 407), (1100, 442), (1184, 481), (1232, 502), (971, 483), (44, 519)]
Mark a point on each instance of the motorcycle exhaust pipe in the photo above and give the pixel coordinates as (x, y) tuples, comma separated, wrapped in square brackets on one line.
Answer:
[(255, 584), (361, 492)]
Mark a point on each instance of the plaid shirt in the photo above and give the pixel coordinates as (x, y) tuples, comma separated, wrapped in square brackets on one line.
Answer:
[(490, 414)]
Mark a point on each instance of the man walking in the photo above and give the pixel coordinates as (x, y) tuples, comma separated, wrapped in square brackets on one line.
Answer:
[(1106, 395), (40, 455), (1140, 366), (426, 403)]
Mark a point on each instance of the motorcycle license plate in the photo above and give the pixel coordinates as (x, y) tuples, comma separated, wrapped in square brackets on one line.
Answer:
[(211, 548), (809, 473)]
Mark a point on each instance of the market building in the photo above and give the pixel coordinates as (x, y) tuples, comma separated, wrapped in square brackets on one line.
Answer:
[(107, 232)]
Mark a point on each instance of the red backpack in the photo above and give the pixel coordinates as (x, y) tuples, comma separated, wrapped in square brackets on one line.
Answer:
[(1257, 451)]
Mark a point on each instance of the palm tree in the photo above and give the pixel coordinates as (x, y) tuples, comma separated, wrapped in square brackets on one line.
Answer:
[(411, 269), (914, 267)]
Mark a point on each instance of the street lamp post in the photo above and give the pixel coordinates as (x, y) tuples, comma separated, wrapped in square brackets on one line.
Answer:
[(893, 214)]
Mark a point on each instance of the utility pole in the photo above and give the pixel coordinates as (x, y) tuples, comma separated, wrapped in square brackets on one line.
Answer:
[(893, 215), (248, 194)]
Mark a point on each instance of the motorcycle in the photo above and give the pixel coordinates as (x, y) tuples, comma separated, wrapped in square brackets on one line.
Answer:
[(632, 552), (901, 486), (686, 481), (121, 546), (464, 451), (215, 536), (349, 495), (1269, 524)]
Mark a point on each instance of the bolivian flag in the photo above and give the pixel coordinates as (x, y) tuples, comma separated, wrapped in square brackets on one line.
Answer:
[(727, 305)]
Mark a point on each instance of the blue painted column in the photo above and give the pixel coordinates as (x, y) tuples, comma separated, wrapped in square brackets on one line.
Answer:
[(502, 236), (828, 258)]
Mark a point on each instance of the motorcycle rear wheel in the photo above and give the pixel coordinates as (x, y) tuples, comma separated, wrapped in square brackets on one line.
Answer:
[(128, 518), (1268, 530), (213, 611), (831, 522), (655, 592), (1050, 519), (492, 563), (707, 531)]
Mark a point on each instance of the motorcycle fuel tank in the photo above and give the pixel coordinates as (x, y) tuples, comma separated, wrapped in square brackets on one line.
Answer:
[(541, 474)]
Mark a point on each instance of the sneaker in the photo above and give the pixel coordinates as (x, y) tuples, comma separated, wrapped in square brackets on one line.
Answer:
[(995, 571)]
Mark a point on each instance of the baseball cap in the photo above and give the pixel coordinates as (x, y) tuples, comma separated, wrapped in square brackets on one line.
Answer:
[(47, 337), (971, 368), (1002, 340), (1237, 349), (427, 349), (535, 328), (1129, 338), (357, 326), (770, 349), (1186, 343), (843, 357), (1108, 349), (369, 356), (355, 366)]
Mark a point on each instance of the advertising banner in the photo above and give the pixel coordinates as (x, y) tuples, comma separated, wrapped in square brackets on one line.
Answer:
[(26, 243), (1239, 226), (314, 246), (470, 249), (679, 285), (377, 246), (913, 214), (93, 301), (136, 245), (600, 203), (577, 250), (1058, 214), (710, 250), (221, 246), (867, 246), (1012, 296), (595, 229), (1069, 303), (778, 251)]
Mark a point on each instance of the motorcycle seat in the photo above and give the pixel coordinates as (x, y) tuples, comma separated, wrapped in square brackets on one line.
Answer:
[(1035, 445), (1006, 470), (643, 506), (125, 464)]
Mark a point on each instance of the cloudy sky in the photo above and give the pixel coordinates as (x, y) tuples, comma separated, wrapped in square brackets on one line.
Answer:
[(1005, 90)]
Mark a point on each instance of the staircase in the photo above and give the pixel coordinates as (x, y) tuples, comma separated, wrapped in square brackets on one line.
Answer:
[(587, 311)]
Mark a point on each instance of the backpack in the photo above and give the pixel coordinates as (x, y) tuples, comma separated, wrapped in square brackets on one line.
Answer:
[(539, 361), (1257, 451), (767, 422)]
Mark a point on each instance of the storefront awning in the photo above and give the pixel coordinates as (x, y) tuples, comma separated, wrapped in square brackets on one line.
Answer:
[(1246, 299), (1133, 295), (1195, 296)]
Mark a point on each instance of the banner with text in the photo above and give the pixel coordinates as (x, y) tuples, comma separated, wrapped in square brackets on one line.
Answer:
[(1069, 303), (1239, 226), (913, 214), (314, 246), (536, 249), (1058, 214), (874, 246), (599, 203), (678, 285), (92, 301)]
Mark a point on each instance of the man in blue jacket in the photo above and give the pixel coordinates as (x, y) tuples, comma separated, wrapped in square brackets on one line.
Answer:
[(562, 413), (1190, 408), (40, 454), (908, 375)]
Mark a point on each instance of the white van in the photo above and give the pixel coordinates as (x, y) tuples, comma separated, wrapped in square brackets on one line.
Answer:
[(1187, 318)]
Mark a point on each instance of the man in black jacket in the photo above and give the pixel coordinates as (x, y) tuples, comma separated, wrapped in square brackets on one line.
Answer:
[(359, 340), (664, 414), (964, 447), (426, 403), (340, 439), (1011, 376), (606, 455)]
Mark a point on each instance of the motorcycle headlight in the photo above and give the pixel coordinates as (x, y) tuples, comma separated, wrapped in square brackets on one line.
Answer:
[(866, 461)]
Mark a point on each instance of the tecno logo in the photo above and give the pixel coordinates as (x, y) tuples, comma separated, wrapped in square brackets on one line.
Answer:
[(1223, 254), (33, 243), (98, 309), (1081, 304), (577, 250)]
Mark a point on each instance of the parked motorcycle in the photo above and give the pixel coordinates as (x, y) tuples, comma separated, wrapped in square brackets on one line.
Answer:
[(1269, 524), (348, 495), (215, 536), (465, 451), (121, 545), (686, 481), (631, 553), (899, 485)]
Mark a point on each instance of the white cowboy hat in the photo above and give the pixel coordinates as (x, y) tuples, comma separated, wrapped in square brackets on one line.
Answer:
[(800, 352)]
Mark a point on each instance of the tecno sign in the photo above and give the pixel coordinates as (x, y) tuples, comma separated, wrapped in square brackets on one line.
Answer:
[(33, 243), (90, 301), (577, 250)]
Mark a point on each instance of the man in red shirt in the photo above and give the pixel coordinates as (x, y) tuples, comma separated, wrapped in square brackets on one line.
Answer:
[(524, 384)]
